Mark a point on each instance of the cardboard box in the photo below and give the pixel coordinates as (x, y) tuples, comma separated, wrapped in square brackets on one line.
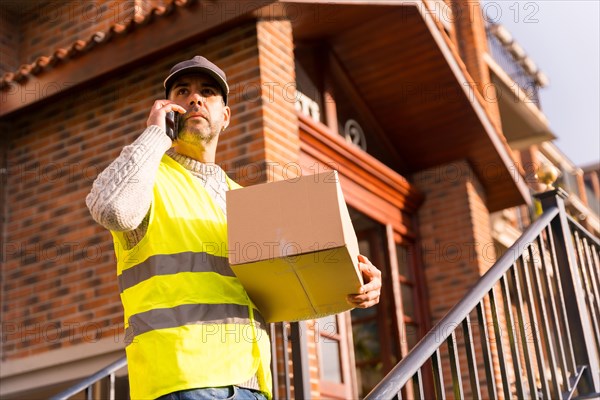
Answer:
[(293, 247)]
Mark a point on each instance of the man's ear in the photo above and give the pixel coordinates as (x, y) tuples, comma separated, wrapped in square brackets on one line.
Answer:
[(226, 116)]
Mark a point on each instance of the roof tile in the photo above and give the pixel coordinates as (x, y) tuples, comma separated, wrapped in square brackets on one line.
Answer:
[(79, 47)]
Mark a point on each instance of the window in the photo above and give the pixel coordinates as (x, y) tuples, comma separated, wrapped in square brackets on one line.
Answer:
[(381, 334), (334, 357), (410, 301), (330, 352)]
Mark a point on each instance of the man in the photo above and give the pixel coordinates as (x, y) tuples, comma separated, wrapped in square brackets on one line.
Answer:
[(191, 330)]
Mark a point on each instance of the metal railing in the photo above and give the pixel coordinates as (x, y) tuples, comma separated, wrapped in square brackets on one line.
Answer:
[(513, 67), (588, 267), (528, 329), (286, 339), (87, 385), (287, 345)]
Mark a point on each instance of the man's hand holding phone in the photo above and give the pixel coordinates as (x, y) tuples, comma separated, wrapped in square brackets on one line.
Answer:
[(159, 115)]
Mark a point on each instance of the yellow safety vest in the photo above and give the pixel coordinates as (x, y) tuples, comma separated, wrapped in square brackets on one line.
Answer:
[(188, 321)]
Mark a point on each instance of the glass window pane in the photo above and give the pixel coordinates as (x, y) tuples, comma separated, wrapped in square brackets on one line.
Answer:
[(327, 325), (330, 360), (368, 377), (360, 313), (393, 343), (412, 335), (408, 302), (366, 341), (403, 261)]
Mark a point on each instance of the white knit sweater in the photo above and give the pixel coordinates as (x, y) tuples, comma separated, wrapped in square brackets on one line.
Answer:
[(121, 194)]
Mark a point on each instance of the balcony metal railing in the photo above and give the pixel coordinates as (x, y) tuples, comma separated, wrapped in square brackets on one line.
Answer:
[(512, 59), (528, 329), (588, 263)]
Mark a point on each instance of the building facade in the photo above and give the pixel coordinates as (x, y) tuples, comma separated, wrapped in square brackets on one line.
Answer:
[(402, 99)]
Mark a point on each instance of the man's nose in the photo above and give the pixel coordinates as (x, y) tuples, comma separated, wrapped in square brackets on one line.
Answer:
[(196, 99)]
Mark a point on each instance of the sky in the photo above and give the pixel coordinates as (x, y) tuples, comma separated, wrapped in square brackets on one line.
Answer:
[(563, 39)]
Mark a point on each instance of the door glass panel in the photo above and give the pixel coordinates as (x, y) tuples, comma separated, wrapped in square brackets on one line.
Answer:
[(367, 352), (329, 343), (366, 341), (330, 360), (412, 335), (408, 300), (368, 377), (403, 263), (359, 314), (375, 330), (327, 325)]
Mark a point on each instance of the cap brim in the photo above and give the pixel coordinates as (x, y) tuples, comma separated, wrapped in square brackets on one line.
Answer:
[(191, 69)]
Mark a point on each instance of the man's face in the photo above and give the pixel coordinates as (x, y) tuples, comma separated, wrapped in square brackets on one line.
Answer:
[(206, 114)]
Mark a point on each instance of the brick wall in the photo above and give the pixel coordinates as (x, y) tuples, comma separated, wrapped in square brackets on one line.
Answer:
[(278, 79), (10, 37), (471, 41), (50, 25), (262, 142), (454, 225), (456, 242), (59, 286), (59, 279)]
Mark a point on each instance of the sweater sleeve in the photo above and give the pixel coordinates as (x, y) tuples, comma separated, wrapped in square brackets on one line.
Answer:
[(121, 194)]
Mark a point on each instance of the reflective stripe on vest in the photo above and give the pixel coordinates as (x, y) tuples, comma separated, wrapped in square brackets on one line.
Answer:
[(189, 323), (166, 264), (187, 314)]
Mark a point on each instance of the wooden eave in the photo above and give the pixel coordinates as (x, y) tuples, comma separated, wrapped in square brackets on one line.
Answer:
[(421, 94)]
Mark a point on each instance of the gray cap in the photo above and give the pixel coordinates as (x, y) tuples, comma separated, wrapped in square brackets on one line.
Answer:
[(197, 64)]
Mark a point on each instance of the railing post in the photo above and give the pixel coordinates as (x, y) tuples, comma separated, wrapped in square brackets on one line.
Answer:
[(300, 361), (274, 369), (581, 332)]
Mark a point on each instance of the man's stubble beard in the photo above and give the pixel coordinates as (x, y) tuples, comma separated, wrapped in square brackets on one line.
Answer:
[(198, 135)]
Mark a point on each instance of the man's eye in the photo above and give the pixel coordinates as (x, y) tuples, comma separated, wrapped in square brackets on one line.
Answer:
[(182, 91), (207, 92)]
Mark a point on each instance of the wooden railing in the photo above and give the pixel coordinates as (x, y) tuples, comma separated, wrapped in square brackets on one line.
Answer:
[(529, 328)]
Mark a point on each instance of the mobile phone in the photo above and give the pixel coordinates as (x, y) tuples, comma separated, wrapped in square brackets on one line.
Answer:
[(172, 124)]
